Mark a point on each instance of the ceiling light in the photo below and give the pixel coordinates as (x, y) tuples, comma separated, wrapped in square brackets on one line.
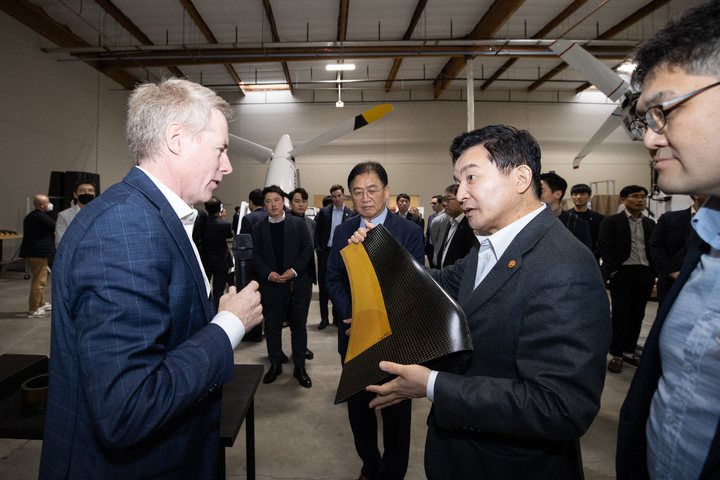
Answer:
[(626, 68), (333, 67), (262, 87)]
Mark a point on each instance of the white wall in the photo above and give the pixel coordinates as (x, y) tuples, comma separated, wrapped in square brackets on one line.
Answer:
[(412, 141), (51, 119)]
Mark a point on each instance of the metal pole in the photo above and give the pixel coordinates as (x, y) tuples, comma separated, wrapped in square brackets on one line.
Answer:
[(470, 95)]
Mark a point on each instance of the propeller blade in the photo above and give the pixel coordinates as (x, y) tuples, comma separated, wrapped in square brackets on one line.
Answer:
[(606, 129), (344, 128), (251, 149), (592, 69)]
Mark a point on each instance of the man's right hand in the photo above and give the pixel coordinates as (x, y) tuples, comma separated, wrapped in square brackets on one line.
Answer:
[(360, 233), (244, 304)]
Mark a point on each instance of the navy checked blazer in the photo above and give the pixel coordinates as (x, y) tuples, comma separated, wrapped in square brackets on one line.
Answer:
[(135, 366)]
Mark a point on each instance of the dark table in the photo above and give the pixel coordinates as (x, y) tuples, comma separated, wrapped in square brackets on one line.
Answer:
[(237, 405)]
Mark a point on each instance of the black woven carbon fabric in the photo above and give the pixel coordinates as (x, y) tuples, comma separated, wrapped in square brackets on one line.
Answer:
[(428, 326)]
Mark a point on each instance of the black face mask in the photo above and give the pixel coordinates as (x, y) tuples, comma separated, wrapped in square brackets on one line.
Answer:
[(85, 198)]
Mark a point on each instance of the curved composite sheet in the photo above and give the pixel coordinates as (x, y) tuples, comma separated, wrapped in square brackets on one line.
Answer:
[(400, 314)]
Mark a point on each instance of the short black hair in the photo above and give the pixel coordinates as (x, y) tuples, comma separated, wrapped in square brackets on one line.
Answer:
[(402, 195), (630, 189), (327, 201), (272, 189), (507, 148), (452, 189), (581, 188), (256, 197), (368, 167), (84, 181), (690, 42), (439, 198), (237, 209), (212, 206), (337, 186), (555, 182), (303, 193)]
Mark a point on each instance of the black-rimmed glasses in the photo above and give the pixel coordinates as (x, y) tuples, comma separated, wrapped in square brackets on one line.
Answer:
[(655, 117)]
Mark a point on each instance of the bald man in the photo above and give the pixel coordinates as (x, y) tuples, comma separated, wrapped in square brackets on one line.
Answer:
[(38, 245)]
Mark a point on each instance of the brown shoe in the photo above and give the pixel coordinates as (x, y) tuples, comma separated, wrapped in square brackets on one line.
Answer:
[(631, 359), (615, 365)]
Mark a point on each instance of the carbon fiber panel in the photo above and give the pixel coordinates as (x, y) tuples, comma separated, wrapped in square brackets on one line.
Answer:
[(428, 327)]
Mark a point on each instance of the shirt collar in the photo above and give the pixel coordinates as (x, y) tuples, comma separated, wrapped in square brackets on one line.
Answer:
[(183, 210), (335, 209), (282, 219), (379, 220), (707, 222), (502, 239), (630, 217), (459, 218)]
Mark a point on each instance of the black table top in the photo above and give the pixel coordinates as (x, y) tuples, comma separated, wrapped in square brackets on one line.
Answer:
[(237, 397)]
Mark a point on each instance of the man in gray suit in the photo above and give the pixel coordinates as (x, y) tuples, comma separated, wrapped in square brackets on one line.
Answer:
[(540, 324)]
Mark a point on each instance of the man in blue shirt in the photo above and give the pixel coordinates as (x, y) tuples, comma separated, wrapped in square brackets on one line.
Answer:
[(669, 421)]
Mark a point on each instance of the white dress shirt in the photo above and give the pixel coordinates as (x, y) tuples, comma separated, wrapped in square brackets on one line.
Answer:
[(228, 321)]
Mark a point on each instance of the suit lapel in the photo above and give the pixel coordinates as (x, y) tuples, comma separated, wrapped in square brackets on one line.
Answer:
[(508, 265), (267, 244), (140, 181)]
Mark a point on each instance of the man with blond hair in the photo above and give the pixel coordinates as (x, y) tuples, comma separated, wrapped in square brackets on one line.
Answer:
[(138, 351)]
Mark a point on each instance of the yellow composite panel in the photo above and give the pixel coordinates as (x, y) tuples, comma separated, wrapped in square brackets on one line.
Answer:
[(376, 113), (370, 319)]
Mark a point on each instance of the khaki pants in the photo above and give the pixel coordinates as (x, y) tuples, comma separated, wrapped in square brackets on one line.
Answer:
[(38, 267)]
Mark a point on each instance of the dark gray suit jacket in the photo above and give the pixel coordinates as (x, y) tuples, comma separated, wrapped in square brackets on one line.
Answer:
[(540, 324)]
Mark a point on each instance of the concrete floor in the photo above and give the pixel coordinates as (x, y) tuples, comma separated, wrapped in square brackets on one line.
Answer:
[(299, 433)]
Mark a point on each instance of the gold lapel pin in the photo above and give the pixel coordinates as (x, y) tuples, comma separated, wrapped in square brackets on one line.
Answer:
[(511, 264)]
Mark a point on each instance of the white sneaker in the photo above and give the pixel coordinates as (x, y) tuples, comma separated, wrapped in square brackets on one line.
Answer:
[(39, 313), (47, 307)]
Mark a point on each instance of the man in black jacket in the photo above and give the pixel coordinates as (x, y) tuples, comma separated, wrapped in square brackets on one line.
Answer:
[(553, 191), (216, 257), (625, 246), (581, 195), (458, 238), (38, 244)]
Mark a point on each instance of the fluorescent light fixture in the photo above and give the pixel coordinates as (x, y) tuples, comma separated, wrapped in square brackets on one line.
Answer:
[(626, 68), (333, 67), (262, 87)]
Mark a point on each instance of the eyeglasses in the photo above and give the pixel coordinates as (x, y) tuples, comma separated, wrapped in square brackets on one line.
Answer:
[(656, 116), (449, 199), (638, 196), (373, 193)]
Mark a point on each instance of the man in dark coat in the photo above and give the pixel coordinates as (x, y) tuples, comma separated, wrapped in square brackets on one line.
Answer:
[(625, 246), (539, 319), (553, 191), (38, 244), (216, 257), (458, 238)]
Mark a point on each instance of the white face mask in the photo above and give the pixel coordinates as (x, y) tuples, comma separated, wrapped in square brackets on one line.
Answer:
[(50, 207)]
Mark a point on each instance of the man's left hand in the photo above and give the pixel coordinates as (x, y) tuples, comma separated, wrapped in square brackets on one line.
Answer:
[(411, 383)]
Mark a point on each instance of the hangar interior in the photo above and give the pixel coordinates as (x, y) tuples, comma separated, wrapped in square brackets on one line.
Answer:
[(70, 64)]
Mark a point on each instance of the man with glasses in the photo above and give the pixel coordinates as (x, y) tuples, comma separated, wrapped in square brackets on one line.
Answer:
[(368, 183), (624, 244), (669, 421), (459, 238)]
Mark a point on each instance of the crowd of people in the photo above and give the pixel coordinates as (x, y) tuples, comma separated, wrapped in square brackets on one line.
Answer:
[(145, 317)]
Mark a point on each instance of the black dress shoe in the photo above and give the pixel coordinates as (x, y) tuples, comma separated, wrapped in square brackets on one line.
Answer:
[(309, 355), (302, 377), (273, 373), (283, 358), (323, 324)]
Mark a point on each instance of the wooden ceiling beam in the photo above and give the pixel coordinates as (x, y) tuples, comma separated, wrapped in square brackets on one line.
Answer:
[(207, 33), (572, 8), (496, 16), (132, 29), (419, 9), (276, 39), (343, 20), (623, 25), (36, 19)]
